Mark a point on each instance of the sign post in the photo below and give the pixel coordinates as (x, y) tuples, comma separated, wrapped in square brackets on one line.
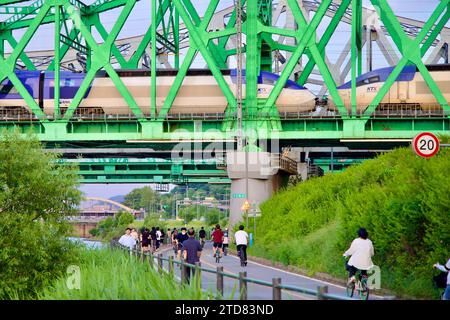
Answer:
[(426, 144)]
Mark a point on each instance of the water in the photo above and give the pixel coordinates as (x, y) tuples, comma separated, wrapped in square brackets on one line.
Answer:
[(90, 244)]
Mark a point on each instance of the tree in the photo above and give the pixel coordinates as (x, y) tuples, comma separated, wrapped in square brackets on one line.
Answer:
[(37, 193), (144, 197)]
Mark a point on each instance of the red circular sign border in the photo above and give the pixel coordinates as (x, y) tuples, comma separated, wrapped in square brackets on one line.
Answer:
[(433, 136)]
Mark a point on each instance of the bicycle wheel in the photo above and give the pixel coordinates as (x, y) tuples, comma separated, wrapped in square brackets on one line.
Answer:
[(363, 289), (350, 289), (241, 255)]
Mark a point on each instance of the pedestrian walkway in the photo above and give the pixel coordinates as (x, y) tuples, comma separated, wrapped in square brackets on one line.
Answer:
[(231, 264)]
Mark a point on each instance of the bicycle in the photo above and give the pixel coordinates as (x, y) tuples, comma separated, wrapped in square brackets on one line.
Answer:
[(241, 257), (360, 285), (225, 249), (217, 255), (175, 248), (202, 242)]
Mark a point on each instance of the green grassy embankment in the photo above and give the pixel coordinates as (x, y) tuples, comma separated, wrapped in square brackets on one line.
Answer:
[(402, 200)]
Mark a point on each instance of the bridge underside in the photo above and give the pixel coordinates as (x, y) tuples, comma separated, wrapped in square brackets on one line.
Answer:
[(294, 128)]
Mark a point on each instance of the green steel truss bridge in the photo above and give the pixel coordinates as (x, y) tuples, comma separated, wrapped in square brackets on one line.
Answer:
[(150, 170), (277, 35)]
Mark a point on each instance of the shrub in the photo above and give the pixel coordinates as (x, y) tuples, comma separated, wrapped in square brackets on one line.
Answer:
[(36, 194), (400, 198)]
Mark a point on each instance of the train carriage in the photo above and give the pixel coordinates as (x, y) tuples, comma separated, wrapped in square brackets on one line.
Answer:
[(199, 93)]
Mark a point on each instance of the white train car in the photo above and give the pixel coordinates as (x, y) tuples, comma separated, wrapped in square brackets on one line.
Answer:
[(199, 93), (409, 90)]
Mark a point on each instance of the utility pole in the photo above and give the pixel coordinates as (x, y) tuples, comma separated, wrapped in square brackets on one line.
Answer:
[(238, 6), (198, 202), (241, 136)]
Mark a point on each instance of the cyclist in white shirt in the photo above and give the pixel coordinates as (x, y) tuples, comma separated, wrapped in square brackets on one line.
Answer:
[(361, 252), (241, 238)]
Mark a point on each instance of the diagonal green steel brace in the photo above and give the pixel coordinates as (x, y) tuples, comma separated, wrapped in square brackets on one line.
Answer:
[(411, 51), (199, 43), (316, 55), (7, 66), (305, 38), (101, 59)]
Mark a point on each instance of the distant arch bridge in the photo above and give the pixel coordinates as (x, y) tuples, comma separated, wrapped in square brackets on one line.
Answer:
[(97, 208)]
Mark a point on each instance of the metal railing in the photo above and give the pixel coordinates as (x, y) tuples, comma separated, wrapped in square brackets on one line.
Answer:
[(97, 114), (321, 293)]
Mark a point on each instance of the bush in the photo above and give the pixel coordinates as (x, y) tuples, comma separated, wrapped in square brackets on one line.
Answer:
[(401, 199), (36, 195)]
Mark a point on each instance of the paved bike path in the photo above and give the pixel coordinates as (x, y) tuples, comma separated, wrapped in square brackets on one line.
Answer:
[(231, 264)]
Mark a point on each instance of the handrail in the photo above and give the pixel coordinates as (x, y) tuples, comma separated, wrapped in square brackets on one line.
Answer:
[(321, 293)]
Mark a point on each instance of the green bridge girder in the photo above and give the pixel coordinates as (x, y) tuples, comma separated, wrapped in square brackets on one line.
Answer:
[(149, 170), (260, 116)]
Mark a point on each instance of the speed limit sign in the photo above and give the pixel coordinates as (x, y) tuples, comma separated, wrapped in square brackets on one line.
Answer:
[(426, 144)]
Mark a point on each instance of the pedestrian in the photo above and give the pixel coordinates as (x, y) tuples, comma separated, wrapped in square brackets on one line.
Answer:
[(181, 237), (163, 236), (153, 239), (191, 252), (158, 238), (445, 268), (202, 236), (169, 236), (127, 240), (135, 235), (145, 239), (225, 242)]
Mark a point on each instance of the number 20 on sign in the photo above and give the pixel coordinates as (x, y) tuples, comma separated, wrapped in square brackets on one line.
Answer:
[(426, 144)]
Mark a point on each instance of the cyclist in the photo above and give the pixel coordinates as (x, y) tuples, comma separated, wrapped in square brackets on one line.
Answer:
[(361, 252), (225, 241), (202, 236), (217, 238), (241, 238)]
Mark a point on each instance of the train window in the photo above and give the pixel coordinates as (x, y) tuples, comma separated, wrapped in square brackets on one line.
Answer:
[(268, 81), (368, 81), (8, 89), (374, 79), (67, 83)]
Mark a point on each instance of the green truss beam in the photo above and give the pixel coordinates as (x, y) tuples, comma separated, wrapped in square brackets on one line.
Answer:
[(410, 49)]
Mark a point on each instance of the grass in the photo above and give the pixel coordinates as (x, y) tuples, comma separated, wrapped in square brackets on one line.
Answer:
[(400, 198), (113, 275)]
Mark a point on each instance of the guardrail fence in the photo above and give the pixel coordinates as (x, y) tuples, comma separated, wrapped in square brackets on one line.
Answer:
[(321, 293)]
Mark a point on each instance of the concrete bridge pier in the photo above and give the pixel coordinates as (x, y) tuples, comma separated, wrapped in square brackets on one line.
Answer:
[(266, 173)]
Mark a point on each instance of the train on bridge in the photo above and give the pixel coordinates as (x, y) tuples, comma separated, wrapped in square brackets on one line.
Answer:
[(200, 93)]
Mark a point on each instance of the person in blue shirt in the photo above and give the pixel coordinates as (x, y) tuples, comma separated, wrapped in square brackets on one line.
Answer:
[(192, 250), (181, 237)]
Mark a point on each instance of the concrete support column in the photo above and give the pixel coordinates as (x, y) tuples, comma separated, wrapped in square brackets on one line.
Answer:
[(263, 175)]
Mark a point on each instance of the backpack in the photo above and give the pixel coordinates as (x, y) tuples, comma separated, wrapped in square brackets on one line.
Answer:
[(440, 281)]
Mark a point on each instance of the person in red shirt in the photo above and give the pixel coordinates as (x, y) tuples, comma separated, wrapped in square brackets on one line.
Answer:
[(217, 238)]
